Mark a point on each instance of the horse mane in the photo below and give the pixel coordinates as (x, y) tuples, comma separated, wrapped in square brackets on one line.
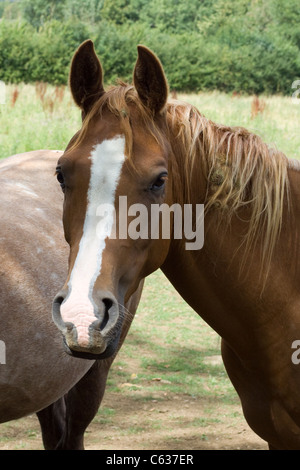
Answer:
[(117, 99), (241, 171)]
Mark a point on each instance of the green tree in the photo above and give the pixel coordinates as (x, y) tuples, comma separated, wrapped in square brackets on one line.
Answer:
[(39, 12), (123, 11), (243, 45), (9, 9), (88, 11), (174, 16), (286, 22)]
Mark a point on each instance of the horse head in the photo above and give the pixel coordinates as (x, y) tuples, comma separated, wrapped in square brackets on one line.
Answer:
[(114, 168)]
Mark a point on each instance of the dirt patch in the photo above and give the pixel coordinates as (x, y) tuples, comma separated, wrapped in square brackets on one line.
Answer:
[(126, 422), (181, 423)]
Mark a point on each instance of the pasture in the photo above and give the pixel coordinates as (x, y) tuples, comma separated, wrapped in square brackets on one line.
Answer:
[(43, 116), (167, 388)]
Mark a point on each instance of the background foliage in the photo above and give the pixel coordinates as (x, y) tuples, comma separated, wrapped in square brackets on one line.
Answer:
[(250, 46)]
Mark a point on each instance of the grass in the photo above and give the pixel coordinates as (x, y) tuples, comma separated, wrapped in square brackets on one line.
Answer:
[(34, 118), (42, 116)]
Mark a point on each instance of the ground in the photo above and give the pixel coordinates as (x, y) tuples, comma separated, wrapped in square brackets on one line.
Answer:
[(166, 422)]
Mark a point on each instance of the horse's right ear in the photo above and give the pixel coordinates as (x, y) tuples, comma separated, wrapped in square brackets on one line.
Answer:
[(86, 78)]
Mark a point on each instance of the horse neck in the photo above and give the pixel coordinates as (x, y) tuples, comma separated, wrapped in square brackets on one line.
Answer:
[(232, 298), (214, 281)]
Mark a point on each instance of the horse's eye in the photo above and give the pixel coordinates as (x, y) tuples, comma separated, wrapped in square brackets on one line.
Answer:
[(159, 182), (60, 179)]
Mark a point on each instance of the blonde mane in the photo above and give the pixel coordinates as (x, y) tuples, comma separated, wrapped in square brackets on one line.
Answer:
[(241, 171)]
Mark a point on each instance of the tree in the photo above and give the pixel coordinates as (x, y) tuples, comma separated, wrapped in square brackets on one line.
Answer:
[(41, 11), (88, 11)]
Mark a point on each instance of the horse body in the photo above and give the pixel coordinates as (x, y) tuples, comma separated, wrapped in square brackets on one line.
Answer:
[(38, 376), (37, 372)]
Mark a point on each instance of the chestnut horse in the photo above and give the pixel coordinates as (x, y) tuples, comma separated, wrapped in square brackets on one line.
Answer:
[(135, 144), (36, 375)]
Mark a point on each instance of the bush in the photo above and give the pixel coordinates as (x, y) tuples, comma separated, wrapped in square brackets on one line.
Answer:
[(16, 51), (250, 47), (28, 55), (57, 43)]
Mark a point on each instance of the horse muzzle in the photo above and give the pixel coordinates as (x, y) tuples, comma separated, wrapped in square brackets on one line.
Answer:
[(91, 329)]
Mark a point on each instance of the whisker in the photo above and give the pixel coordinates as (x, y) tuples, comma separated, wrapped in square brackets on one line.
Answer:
[(125, 314)]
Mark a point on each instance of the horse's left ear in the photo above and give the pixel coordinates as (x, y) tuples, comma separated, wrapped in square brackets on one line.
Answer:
[(150, 81), (86, 76)]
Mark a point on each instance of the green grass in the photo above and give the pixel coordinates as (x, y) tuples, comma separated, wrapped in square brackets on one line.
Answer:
[(106, 416), (33, 121)]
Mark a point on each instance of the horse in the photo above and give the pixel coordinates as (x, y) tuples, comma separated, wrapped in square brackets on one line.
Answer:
[(137, 145), (36, 374)]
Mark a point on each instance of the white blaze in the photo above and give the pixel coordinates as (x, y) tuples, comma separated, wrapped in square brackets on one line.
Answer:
[(107, 160)]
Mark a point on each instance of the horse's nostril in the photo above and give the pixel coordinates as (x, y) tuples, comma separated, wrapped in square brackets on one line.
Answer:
[(108, 303), (59, 300), (56, 315)]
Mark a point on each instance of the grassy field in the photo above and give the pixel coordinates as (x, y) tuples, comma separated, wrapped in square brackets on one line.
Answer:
[(38, 116), (170, 355)]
